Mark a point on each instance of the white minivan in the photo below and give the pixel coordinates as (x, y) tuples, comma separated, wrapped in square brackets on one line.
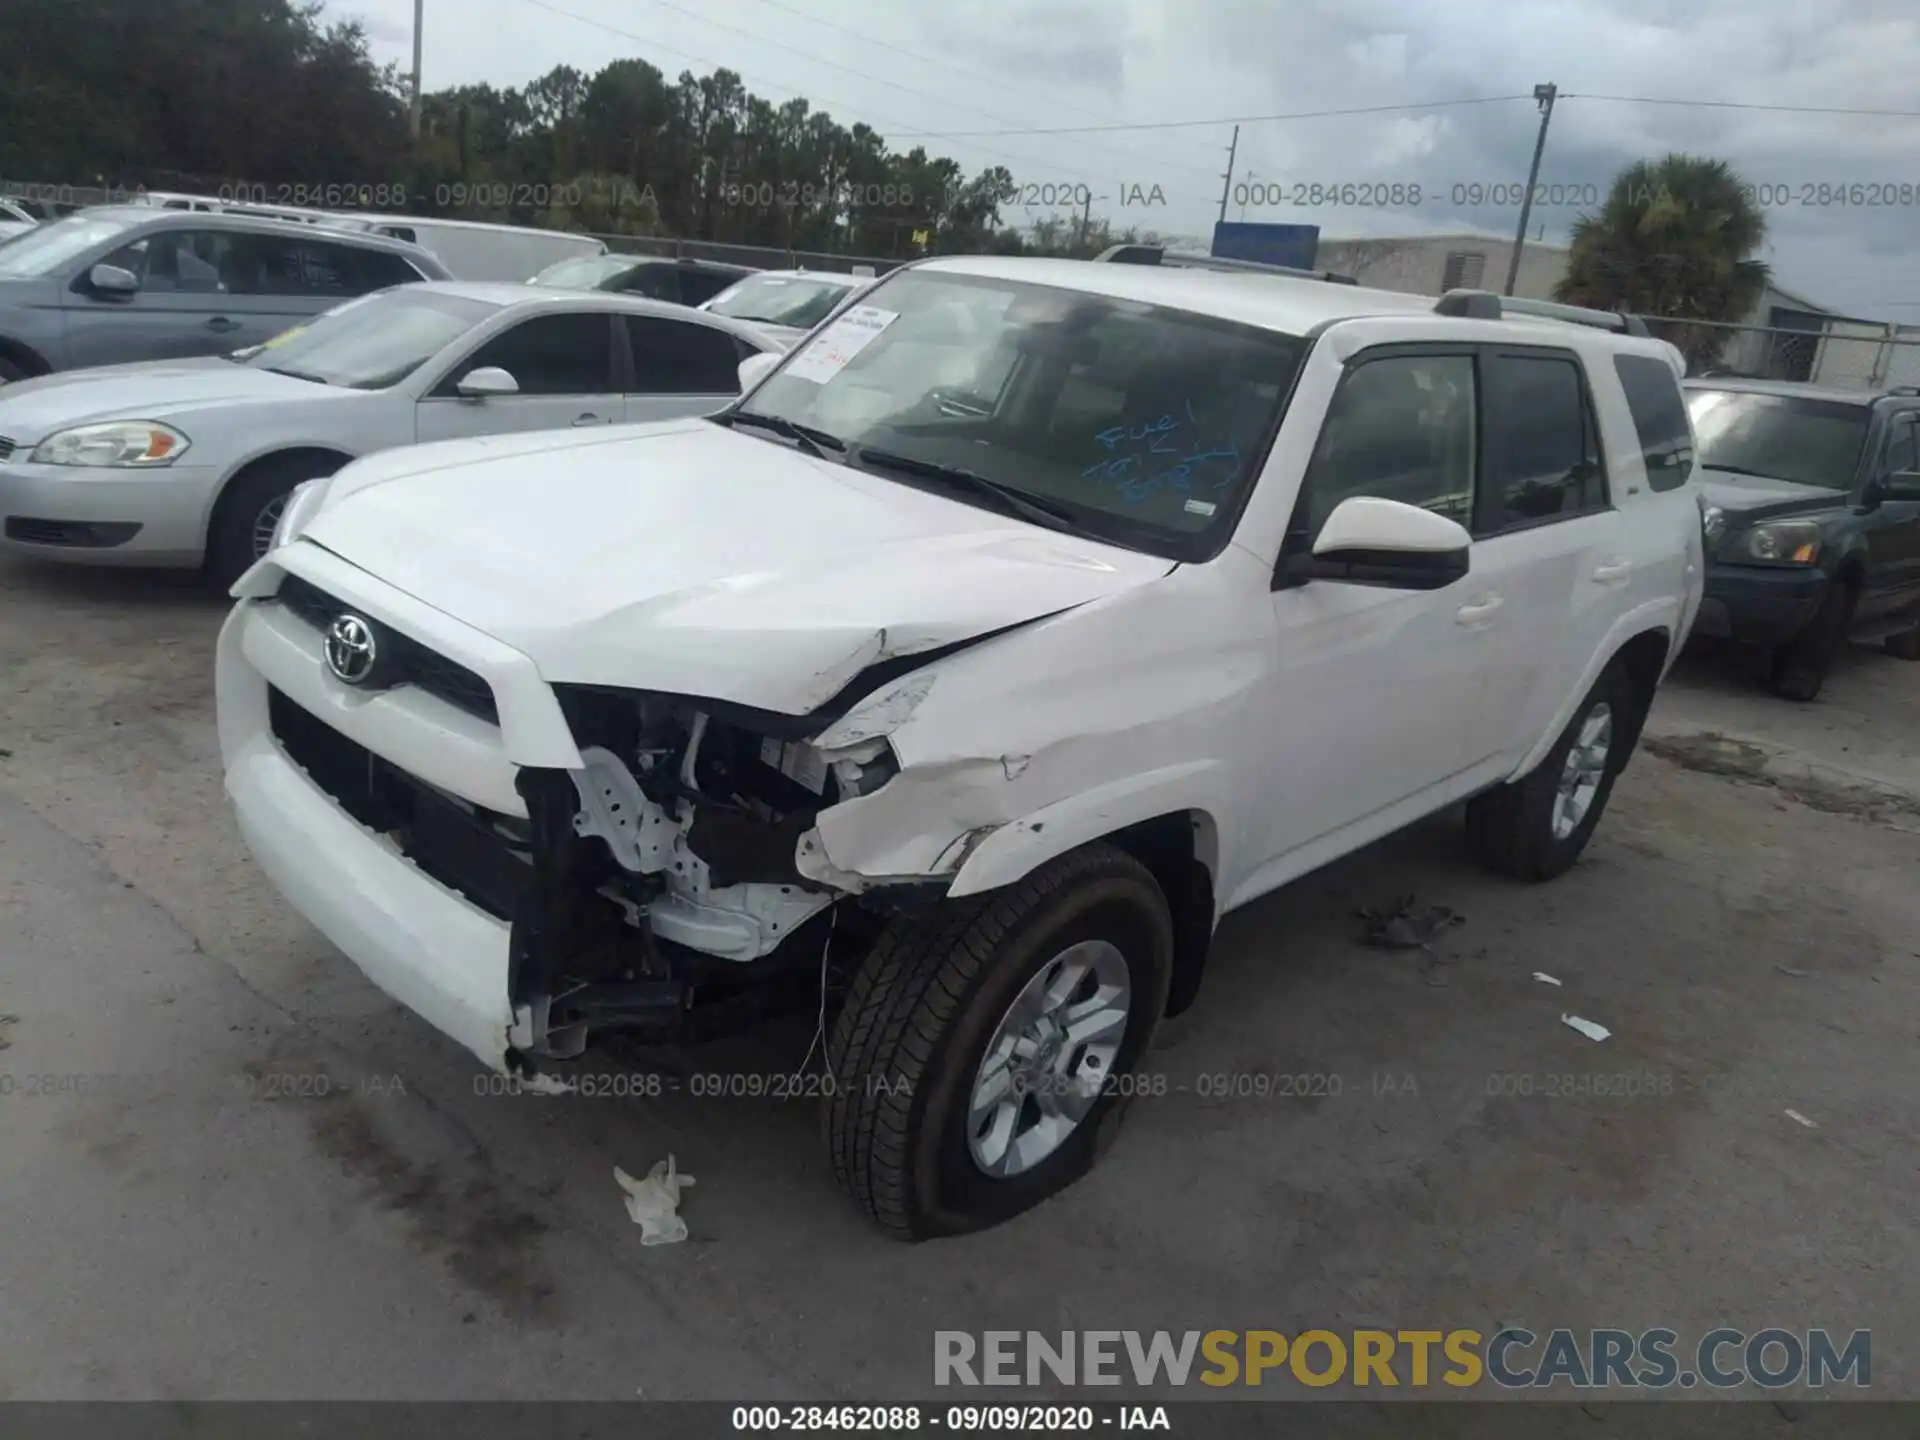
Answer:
[(476, 250)]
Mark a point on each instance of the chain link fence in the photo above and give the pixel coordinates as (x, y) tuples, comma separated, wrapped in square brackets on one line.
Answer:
[(1840, 354)]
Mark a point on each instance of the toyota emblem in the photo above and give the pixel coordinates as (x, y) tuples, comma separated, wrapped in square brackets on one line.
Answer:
[(352, 650)]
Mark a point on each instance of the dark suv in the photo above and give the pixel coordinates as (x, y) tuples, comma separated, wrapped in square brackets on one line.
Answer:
[(1811, 507)]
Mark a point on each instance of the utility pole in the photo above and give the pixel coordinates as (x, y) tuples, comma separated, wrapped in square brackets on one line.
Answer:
[(1086, 218), (1543, 96), (1227, 189), (413, 109)]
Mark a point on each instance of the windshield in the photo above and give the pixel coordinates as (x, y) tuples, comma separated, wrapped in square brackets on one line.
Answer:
[(1785, 437), (49, 248), (372, 342), (1145, 425), (794, 300), (588, 273)]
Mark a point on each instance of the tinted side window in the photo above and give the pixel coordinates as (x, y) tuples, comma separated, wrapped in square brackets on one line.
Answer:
[(376, 270), (549, 355), (699, 285), (1903, 447), (177, 262), (656, 282), (671, 357), (1545, 462), (1659, 419), (1400, 428)]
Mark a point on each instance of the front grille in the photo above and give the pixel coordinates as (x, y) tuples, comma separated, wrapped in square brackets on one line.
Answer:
[(479, 854), (414, 663)]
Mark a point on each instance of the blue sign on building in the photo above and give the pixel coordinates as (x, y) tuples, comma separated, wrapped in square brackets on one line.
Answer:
[(1292, 245)]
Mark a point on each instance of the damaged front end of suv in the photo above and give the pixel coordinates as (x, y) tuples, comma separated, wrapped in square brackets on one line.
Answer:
[(664, 898)]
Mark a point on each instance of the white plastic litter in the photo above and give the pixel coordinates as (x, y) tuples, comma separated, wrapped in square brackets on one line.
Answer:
[(1586, 1027), (654, 1203), (1545, 979), (1796, 1115)]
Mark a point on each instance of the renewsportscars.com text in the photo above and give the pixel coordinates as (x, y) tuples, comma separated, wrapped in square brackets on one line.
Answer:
[(1512, 1358)]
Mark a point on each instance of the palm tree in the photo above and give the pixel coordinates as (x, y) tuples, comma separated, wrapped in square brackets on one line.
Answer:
[(1673, 239)]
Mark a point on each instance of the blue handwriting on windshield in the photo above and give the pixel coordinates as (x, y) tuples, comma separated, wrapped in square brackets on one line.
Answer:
[(1150, 457)]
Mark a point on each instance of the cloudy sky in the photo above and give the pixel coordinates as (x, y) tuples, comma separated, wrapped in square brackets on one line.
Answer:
[(947, 75)]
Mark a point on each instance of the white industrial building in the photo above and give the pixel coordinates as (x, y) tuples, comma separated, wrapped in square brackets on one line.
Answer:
[(1786, 337)]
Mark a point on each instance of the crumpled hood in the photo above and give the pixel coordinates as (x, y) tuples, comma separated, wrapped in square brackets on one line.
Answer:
[(686, 558), (1755, 493), (31, 410)]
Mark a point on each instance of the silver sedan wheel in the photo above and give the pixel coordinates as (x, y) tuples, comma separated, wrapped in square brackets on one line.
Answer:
[(1049, 1059), (265, 523), (1586, 767)]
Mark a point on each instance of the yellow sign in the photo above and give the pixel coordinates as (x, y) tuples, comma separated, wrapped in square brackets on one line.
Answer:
[(921, 237), (283, 337)]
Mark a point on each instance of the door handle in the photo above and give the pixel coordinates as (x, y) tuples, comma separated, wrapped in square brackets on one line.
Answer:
[(588, 419), (222, 324), (1481, 609), (1613, 571)]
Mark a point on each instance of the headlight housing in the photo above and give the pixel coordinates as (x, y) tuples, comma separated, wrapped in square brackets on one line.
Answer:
[(1782, 542), (114, 445), (303, 503)]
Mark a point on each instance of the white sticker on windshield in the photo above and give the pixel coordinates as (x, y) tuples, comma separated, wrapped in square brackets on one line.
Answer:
[(827, 354), (1201, 507)]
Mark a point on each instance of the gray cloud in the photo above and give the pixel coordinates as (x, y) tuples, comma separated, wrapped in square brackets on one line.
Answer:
[(1016, 64)]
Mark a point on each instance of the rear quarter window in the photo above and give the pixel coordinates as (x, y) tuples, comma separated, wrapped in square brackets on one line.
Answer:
[(1659, 419)]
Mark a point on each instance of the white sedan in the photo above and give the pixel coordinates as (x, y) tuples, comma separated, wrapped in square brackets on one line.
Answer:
[(185, 463), (786, 304)]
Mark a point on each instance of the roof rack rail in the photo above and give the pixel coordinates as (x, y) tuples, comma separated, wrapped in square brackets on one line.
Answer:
[(1485, 305), (1194, 260)]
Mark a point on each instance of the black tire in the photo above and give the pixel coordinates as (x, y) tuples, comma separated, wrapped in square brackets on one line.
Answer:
[(12, 370), (920, 1015), (1799, 667), (247, 502), (1904, 646), (1511, 830)]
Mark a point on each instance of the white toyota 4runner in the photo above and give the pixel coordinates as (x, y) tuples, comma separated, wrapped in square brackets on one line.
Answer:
[(954, 682)]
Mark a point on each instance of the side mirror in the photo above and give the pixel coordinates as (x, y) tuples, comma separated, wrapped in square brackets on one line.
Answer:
[(487, 380), (1902, 485), (1370, 541), (112, 280), (756, 368)]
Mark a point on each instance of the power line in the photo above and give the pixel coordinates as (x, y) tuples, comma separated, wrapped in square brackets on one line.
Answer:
[(893, 126), (978, 75), (1746, 105), (1218, 120)]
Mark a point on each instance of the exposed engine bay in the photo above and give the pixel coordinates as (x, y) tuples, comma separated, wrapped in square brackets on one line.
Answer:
[(663, 899)]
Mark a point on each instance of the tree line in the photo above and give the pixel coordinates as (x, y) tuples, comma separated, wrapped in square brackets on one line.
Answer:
[(268, 100)]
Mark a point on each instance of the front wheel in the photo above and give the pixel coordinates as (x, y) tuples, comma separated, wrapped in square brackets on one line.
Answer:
[(1536, 827), (1800, 666), (249, 512), (986, 1050)]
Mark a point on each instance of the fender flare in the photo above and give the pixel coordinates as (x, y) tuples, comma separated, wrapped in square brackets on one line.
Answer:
[(1663, 614), (1016, 849)]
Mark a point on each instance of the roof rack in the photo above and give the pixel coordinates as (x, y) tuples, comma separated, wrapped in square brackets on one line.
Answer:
[(1485, 305), (1194, 260)]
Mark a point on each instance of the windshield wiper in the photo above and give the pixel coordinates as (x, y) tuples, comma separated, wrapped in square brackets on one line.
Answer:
[(1017, 502), (807, 437), (296, 374)]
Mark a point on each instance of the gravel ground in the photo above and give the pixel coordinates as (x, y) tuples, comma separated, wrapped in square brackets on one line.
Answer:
[(204, 1223)]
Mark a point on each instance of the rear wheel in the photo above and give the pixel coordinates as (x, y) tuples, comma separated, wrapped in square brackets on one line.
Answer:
[(1536, 827), (984, 1053), (1800, 666), (250, 508)]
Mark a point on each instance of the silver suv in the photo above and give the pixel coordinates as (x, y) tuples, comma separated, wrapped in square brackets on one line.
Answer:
[(129, 283)]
